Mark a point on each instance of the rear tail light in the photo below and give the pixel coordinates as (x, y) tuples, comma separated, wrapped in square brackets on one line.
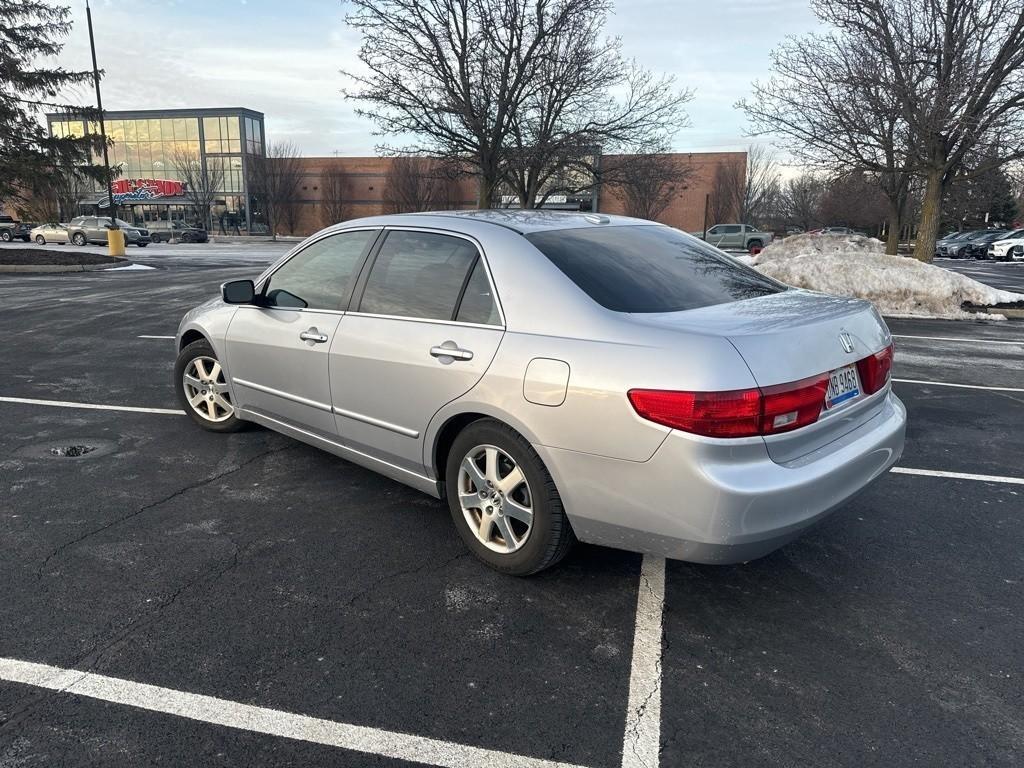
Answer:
[(874, 370), (738, 413), (753, 412)]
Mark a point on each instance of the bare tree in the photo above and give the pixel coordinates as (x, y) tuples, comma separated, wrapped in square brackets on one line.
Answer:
[(910, 87), (512, 90), (202, 181), (648, 183), (749, 190), (335, 192), (800, 200), (417, 184), (274, 183), (854, 199)]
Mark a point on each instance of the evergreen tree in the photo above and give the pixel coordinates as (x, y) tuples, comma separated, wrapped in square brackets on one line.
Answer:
[(31, 30)]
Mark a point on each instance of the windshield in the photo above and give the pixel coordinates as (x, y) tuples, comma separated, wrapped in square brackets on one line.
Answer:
[(649, 268)]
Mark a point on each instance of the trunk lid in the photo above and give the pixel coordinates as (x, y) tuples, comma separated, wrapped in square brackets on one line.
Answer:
[(789, 336)]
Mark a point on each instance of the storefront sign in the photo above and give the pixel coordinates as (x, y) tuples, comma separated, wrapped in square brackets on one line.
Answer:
[(146, 189)]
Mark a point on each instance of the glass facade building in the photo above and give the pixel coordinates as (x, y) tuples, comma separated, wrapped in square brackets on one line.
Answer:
[(148, 146)]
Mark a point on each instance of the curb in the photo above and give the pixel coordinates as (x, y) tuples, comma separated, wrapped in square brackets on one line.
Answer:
[(1011, 313), (58, 268)]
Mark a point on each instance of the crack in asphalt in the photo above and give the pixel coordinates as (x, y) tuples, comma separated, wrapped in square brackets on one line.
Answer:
[(425, 566), (633, 719), (181, 491)]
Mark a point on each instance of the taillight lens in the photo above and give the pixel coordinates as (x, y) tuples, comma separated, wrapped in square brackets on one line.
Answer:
[(790, 406), (875, 369), (737, 413), (715, 414)]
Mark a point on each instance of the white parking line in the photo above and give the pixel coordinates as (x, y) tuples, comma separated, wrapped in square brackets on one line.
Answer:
[(642, 741), (143, 336), (90, 406), (958, 475), (246, 717), (946, 338), (960, 386)]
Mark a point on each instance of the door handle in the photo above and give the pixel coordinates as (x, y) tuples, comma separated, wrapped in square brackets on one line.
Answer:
[(313, 336), (452, 351)]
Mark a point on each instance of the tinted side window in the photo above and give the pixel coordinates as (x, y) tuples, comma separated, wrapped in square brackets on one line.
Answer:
[(418, 274), (321, 275), (649, 268), (478, 304), (730, 229)]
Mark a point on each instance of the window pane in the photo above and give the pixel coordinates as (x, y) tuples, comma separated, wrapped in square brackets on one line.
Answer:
[(115, 130), (418, 274), (211, 128), (192, 129), (142, 129), (154, 130), (232, 127), (477, 302), (320, 276), (649, 268)]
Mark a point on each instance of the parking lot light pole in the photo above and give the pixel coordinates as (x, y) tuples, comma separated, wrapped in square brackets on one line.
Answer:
[(115, 237)]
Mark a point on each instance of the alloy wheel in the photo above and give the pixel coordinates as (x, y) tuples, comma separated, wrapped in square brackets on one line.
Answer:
[(206, 389), (495, 499)]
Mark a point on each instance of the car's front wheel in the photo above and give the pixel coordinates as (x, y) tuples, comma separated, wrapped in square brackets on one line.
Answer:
[(203, 390), (503, 501), (78, 238)]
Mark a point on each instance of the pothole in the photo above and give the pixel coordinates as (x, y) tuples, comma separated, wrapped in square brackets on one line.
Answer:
[(72, 451), (80, 447)]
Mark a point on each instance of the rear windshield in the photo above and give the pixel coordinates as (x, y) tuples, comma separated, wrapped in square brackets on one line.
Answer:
[(649, 268)]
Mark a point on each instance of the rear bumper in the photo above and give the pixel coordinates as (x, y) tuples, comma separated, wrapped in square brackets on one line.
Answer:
[(720, 501)]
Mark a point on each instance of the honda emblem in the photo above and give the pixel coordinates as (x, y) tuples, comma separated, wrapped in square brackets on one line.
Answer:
[(847, 341)]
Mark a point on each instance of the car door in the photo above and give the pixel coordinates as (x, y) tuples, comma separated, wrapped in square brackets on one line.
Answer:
[(714, 235), (277, 349), (732, 236), (425, 328)]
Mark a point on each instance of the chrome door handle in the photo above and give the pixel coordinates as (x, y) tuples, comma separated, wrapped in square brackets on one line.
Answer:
[(314, 336), (454, 352)]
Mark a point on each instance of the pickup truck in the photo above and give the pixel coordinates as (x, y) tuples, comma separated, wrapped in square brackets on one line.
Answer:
[(14, 230), (736, 237)]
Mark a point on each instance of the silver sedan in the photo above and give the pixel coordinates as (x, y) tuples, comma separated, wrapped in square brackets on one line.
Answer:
[(557, 377), (49, 233)]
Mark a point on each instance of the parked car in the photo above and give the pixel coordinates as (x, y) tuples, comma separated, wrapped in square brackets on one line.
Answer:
[(165, 231), (1007, 248), (736, 236), (49, 233), (977, 247), (525, 367), (955, 246), (14, 230), (840, 231), (93, 229)]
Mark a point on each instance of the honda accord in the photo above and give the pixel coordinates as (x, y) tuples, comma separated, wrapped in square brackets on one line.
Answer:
[(558, 377)]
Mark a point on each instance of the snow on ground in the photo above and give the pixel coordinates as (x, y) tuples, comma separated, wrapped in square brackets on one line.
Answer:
[(852, 265)]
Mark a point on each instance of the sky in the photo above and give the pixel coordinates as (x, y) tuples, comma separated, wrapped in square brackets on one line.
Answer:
[(283, 59)]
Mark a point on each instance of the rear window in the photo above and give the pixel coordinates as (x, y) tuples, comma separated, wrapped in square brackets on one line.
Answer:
[(649, 268)]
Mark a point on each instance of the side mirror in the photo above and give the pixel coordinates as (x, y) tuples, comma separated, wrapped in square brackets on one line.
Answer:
[(238, 292)]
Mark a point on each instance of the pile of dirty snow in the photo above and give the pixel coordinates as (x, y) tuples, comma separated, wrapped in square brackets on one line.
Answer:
[(853, 265)]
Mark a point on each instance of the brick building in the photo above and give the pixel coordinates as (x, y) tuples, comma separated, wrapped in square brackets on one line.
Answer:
[(366, 182)]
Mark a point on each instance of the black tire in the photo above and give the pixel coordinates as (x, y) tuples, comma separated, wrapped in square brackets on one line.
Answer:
[(200, 348), (551, 536), (78, 239), (754, 244), (5, 235), (40, 240)]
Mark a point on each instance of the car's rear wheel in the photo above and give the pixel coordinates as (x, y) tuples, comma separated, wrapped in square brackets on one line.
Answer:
[(503, 501), (754, 247), (40, 240), (5, 236), (78, 238), (203, 389)]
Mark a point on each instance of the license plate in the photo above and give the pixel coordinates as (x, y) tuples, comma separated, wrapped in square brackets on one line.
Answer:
[(843, 386)]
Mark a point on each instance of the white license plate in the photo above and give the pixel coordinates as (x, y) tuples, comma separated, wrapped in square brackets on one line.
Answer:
[(843, 386)]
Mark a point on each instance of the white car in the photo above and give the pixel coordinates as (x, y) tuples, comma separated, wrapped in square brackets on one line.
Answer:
[(1009, 247)]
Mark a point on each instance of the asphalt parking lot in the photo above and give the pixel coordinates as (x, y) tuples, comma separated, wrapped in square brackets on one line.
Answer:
[(182, 598)]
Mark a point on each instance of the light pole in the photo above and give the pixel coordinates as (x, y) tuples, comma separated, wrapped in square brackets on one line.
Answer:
[(115, 238)]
